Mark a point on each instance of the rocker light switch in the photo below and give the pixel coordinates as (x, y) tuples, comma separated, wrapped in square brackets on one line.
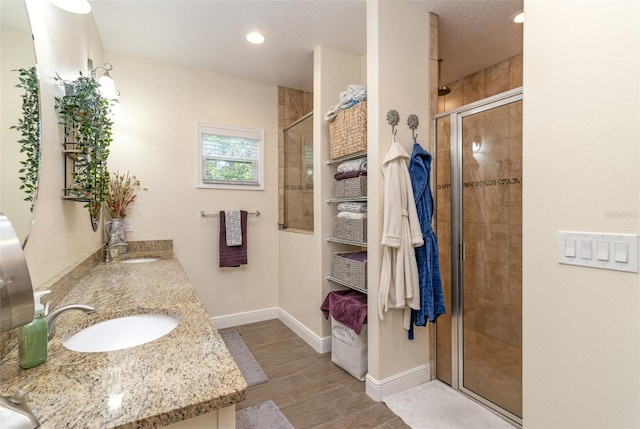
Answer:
[(622, 252), (603, 250), (570, 248), (586, 249)]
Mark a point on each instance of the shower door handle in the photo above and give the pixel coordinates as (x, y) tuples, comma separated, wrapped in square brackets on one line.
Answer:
[(462, 251)]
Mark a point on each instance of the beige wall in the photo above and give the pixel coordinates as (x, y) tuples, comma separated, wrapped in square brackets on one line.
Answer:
[(155, 139), (581, 172), (62, 235), (399, 77)]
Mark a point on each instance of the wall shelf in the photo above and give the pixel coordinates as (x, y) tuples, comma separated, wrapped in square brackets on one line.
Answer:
[(349, 242), (340, 282), (344, 199), (346, 158)]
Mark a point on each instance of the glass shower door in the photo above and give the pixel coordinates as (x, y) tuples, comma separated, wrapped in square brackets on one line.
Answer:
[(491, 343), (479, 221)]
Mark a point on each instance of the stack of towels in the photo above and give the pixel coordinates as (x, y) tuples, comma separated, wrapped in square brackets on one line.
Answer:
[(348, 170), (349, 98)]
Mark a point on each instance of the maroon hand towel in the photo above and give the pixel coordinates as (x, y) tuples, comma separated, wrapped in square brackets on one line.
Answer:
[(236, 255), (348, 307)]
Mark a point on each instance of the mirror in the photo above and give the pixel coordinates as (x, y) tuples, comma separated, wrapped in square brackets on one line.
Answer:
[(17, 53)]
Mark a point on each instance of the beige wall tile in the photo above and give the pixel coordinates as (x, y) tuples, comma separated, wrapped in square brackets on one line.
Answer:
[(497, 281), (515, 119), (294, 105), (496, 158), (281, 91), (497, 241), (515, 71), (455, 98), (473, 200), (444, 238), (515, 212), (307, 99), (496, 123), (496, 204), (473, 87), (496, 78), (515, 157)]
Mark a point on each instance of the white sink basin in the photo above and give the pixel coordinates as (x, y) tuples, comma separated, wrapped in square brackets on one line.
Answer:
[(139, 260), (121, 333)]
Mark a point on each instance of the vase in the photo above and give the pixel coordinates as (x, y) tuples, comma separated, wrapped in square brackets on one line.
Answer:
[(115, 231)]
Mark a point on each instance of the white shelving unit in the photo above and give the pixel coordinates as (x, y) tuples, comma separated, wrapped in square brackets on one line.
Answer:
[(336, 200)]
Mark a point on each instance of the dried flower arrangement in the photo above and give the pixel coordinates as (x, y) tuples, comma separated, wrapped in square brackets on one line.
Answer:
[(121, 194)]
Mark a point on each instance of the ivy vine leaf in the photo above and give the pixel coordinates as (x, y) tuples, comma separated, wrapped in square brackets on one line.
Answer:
[(29, 129)]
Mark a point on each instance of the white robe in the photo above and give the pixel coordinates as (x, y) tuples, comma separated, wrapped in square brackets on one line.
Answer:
[(399, 285)]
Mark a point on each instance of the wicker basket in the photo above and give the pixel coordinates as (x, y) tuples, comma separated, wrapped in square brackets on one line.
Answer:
[(349, 271), (351, 229), (348, 131), (353, 187)]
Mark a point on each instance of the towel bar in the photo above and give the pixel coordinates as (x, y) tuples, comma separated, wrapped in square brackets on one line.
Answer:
[(216, 214)]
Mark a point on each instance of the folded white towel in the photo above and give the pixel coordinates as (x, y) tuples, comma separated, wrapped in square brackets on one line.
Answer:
[(354, 207), (352, 215), (359, 164), (233, 226)]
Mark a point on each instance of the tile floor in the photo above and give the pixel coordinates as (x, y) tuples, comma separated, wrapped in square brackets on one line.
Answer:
[(308, 388)]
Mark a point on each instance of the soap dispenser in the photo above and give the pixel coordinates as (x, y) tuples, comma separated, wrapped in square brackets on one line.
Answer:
[(33, 337)]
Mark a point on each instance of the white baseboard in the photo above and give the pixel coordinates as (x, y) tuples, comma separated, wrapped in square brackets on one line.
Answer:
[(319, 344), (379, 389), (238, 319)]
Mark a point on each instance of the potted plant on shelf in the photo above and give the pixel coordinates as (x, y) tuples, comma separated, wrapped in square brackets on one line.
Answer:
[(85, 116), (121, 193)]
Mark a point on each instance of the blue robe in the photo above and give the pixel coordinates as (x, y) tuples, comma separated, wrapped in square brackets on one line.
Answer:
[(431, 295)]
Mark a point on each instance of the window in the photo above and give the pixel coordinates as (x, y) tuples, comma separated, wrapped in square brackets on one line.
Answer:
[(230, 157)]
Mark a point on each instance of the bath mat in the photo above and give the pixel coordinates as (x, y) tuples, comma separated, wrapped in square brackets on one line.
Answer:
[(262, 416), (249, 367), (434, 405)]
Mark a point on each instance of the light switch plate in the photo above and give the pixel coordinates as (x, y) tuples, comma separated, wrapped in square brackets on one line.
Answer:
[(611, 250)]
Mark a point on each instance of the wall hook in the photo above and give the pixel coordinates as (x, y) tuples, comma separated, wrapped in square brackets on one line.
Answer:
[(393, 118), (413, 122)]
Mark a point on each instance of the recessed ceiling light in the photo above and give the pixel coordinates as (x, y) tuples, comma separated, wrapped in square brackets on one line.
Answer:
[(255, 38), (519, 18)]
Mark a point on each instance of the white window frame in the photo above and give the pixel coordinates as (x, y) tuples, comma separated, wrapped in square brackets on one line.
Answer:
[(233, 131)]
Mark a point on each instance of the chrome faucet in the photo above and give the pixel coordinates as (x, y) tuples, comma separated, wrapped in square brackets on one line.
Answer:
[(107, 250), (14, 410), (53, 316)]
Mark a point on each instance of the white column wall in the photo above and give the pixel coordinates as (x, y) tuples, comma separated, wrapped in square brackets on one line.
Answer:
[(398, 75)]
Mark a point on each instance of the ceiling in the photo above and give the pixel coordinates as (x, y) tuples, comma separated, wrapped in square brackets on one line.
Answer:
[(209, 34)]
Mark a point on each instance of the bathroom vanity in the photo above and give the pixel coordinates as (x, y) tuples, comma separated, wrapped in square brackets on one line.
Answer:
[(185, 379)]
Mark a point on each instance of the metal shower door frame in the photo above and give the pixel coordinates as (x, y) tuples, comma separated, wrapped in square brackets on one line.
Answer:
[(457, 238)]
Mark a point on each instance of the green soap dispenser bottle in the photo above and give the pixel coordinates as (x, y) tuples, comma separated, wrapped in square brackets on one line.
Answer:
[(33, 337)]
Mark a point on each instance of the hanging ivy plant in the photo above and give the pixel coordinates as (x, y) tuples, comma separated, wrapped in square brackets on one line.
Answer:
[(29, 129), (84, 114)]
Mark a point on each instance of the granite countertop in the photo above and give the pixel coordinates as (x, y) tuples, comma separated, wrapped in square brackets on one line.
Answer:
[(186, 373)]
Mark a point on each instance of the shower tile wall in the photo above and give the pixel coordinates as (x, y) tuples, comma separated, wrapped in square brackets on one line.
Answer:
[(292, 105), (492, 225), (493, 80)]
